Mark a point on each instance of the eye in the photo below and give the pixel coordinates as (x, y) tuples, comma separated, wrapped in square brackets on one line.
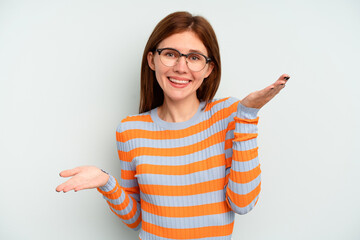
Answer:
[(195, 57), (170, 53)]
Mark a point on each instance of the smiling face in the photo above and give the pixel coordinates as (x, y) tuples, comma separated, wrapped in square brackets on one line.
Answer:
[(179, 83)]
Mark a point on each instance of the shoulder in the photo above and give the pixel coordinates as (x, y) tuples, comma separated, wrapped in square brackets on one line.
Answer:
[(134, 121), (228, 103)]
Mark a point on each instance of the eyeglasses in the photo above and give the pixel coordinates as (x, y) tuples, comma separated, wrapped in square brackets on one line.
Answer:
[(195, 61)]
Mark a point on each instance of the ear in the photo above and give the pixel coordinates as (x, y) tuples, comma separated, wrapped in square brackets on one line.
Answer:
[(150, 59), (209, 70)]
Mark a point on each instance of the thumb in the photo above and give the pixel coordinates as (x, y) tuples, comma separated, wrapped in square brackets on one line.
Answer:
[(69, 172)]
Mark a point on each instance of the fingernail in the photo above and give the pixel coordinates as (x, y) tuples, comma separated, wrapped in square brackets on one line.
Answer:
[(287, 78)]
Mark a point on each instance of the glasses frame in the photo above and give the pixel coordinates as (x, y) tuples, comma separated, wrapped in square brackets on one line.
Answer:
[(159, 50)]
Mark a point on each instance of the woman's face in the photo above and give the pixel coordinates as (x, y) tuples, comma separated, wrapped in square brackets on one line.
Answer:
[(179, 82)]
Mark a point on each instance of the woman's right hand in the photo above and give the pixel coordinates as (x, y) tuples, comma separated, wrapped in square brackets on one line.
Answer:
[(259, 98), (84, 177)]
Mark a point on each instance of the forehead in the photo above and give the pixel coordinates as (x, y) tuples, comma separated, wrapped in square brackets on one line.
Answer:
[(184, 42)]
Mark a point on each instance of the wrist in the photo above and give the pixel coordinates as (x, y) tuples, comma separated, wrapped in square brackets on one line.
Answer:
[(246, 112), (110, 184), (105, 176)]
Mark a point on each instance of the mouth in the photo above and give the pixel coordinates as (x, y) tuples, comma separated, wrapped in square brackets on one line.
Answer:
[(179, 83)]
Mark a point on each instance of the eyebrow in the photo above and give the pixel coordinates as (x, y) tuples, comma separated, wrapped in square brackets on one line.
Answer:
[(197, 51), (190, 50)]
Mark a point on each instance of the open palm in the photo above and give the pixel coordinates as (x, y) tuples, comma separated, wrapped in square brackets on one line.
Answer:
[(259, 98), (84, 177)]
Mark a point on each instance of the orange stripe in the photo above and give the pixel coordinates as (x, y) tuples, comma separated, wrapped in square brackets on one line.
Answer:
[(184, 190), (212, 162), (189, 211), (231, 109), (188, 233), (115, 195), (135, 224), (131, 225), (128, 174), (173, 134), (124, 156), (244, 156), (228, 143), (131, 190), (228, 162), (231, 126), (122, 206), (227, 178), (211, 104), (240, 137), (245, 177), (242, 200), (141, 118), (109, 192), (246, 121), (179, 151), (117, 186)]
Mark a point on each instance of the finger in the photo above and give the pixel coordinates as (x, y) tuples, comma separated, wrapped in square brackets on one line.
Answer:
[(272, 90), (66, 186), (58, 188), (81, 187), (69, 172), (282, 80), (284, 77), (61, 187)]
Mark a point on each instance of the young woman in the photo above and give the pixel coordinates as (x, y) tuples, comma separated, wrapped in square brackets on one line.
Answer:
[(188, 162)]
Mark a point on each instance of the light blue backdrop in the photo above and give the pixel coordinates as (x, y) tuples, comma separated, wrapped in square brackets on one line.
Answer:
[(69, 73)]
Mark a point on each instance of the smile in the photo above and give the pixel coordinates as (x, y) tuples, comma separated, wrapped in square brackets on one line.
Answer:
[(179, 81)]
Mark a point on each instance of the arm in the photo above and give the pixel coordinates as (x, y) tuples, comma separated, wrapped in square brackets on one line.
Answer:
[(243, 188), (243, 173), (124, 198)]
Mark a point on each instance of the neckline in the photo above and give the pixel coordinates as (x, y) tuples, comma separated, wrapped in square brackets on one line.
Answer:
[(176, 125)]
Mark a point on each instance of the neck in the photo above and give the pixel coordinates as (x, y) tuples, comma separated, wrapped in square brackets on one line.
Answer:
[(178, 111)]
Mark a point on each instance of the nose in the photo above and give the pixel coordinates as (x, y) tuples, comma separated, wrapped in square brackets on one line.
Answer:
[(181, 65)]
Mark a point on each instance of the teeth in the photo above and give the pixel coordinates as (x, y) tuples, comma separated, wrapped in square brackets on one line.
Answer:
[(178, 81)]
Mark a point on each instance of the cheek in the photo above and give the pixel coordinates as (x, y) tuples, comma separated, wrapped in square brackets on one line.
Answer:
[(160, 69), (158, 79), (200, 77), (159, 73), (198, 83)]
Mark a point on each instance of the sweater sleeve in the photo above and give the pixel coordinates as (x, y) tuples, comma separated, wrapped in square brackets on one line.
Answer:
[(124, 198), (243, 187)]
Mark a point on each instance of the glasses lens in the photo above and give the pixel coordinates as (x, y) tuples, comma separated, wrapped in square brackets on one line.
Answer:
[(169, 57), (196, 62)]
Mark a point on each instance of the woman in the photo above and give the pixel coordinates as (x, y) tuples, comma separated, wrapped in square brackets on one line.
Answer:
[(188, 162)]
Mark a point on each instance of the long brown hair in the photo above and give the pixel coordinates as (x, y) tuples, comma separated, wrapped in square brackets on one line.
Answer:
[(151, 94)]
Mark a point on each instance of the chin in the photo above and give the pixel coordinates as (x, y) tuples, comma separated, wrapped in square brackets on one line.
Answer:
[(176, 98)]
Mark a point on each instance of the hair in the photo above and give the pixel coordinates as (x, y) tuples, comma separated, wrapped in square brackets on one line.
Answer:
[(151, 94)]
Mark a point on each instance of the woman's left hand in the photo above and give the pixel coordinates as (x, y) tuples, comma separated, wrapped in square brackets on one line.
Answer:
[(259, 98), (84, 177)]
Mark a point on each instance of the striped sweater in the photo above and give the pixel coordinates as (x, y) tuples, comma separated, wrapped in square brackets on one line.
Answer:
[(186, 180)]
